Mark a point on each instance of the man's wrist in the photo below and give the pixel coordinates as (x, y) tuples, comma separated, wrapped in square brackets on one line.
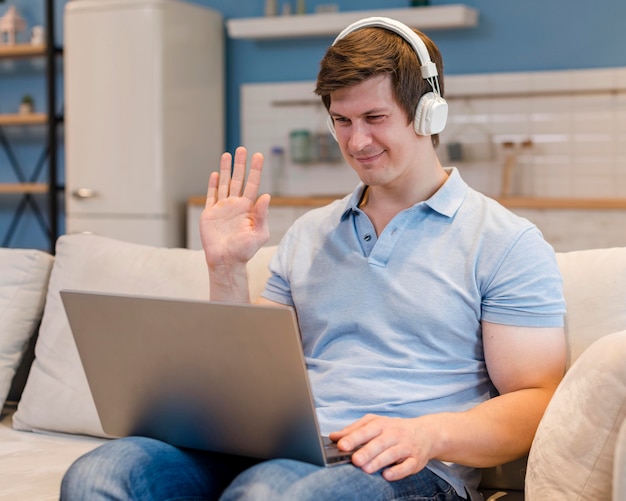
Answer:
[(229, 282)]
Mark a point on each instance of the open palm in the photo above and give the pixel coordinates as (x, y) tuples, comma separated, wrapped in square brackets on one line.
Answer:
[(234, 222)]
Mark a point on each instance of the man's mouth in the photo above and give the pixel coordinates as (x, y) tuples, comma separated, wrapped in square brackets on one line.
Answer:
[(368, 157)]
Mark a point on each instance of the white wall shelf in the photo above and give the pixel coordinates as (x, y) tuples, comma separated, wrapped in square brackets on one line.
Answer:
[(330, 24)]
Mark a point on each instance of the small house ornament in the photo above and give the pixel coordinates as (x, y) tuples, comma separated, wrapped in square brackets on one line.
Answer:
[(10, 25)]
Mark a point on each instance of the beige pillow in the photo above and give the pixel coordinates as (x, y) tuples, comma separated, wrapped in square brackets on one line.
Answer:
[(56, 396), (595, 291), (23, 283), (574, 448)]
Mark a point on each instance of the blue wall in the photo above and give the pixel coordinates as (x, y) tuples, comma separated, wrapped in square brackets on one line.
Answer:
[(511, 36)]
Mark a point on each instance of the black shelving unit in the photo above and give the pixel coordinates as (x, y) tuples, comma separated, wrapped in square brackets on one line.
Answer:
[(54, 120), (27, 187)]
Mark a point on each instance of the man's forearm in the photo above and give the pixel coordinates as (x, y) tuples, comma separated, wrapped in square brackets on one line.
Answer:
[(495, 432)]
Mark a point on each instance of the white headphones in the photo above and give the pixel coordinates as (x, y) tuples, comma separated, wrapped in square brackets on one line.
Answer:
[(432, 110)]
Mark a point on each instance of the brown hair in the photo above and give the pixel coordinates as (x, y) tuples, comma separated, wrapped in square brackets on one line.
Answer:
[(372, 51)]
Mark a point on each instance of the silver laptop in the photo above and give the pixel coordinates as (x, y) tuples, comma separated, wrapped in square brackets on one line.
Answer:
[(214, 376)]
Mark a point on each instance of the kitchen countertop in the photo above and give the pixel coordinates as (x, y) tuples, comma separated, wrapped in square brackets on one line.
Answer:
[(510, 202)]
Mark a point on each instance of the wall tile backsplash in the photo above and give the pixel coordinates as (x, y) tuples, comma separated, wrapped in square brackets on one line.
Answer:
[(271, 114), (556, 134)]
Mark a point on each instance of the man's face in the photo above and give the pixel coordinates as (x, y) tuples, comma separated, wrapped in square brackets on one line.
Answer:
[(374, 134)]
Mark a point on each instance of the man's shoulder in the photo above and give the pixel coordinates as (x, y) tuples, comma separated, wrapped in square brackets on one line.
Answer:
[(491, 211)]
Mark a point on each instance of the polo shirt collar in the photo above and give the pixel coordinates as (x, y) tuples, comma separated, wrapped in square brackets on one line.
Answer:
[(446, 201)]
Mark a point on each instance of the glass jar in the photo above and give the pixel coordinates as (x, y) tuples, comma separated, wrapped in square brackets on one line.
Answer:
[(300, 146)]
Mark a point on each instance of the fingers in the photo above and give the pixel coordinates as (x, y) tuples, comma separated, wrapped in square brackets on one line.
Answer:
[(238, 172), (356, 434), (394, 459), (261, 209), (219, 182), (380, 453), (401, 470), (387, 444), (211, 194), (254, 177), (223, 188), (231, 180)]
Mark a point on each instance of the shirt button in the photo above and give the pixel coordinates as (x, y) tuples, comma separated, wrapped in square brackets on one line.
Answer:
[(367, 237)]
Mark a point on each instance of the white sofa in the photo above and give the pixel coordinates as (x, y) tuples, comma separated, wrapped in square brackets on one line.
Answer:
[(578, 452)]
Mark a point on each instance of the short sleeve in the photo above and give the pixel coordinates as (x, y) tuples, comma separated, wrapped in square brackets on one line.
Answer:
[(525, 287)]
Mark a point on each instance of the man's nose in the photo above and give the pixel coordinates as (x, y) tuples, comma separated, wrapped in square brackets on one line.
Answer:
[(360, 137)]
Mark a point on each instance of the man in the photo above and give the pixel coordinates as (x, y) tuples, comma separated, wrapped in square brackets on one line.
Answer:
[(431, 317)]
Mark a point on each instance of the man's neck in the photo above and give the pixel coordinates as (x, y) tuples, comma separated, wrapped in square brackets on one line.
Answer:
[(382, 204)]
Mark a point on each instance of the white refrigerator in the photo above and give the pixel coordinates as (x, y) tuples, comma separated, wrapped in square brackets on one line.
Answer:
[(144, 115)]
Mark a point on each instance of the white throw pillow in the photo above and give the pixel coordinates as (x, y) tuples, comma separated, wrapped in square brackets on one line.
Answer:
[(56, 396), (573, 451), (23, 283), (594, 284)]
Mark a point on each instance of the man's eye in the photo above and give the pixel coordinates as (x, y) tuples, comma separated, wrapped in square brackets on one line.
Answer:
[(375, 118)]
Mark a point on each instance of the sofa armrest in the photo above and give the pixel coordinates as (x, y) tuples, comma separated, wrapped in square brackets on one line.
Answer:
[(619, 465), (574, 448)]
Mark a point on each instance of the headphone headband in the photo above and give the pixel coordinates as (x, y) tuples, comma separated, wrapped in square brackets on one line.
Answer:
[(431, 112), (428, 68)]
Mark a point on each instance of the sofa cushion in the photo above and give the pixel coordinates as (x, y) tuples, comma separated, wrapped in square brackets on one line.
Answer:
[(33, 464), (23, 283), (56, 396), (573, 450), (594, 284)]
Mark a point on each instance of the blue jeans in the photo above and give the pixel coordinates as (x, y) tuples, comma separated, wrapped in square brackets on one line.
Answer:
[(144, 469)]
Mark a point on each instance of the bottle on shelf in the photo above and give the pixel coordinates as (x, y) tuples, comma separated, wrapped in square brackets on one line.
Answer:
[(277, 170), (271, 7)]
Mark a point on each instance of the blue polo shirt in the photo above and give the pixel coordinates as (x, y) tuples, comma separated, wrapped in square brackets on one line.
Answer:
[(391, 324)]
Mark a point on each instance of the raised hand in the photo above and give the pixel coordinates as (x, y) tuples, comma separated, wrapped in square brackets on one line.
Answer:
[(234, 222)]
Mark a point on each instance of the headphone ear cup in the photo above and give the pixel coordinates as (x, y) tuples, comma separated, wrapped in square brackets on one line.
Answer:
[(431, 114), (331, 127)]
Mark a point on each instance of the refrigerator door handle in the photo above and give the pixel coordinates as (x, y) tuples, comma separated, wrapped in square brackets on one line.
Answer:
[(84, 193)]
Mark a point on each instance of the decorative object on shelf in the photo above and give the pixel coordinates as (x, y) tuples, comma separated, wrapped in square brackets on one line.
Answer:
[(300, 146), (309, 148), (277, 166), (37, 35), (27, 104), (286, 10), (326, 8), (11, 24), (271, 7), (325, 148), (511, 184), (455, 151), (300, 7)]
